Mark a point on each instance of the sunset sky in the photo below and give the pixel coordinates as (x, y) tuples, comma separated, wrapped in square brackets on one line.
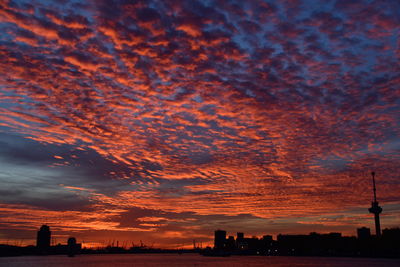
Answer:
[(163, 121)]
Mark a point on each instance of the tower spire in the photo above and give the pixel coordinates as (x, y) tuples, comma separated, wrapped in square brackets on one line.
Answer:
[(375, 208), (373, 182)]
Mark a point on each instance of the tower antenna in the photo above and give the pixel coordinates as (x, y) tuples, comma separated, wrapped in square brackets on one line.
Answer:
[(373, 182)]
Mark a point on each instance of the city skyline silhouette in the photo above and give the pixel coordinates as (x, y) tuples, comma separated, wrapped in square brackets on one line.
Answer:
[(159, 122), (313, 244)]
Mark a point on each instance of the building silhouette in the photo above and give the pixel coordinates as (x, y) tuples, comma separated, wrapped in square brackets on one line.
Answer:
[(363, 233), (71, 241), (220, 239), (312, 244), (230, 242), (43, 238), (375, 209), (72, 247), (240, 241), (240, 236)]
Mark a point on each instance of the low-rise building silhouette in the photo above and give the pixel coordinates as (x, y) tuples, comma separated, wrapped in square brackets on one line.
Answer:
[(363, 233), (313, 244)]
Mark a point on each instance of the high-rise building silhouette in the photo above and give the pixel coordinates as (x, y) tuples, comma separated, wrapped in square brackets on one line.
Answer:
[(43, 237), (72, 246), (375, 209), (220, 239)]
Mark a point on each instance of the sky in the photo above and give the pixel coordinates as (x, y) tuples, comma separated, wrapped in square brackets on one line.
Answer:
[(163, 121)]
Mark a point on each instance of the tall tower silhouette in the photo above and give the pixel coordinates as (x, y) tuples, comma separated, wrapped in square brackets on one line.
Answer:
[(375, 209)]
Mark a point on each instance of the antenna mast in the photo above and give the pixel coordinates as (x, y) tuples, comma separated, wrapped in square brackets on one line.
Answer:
[(373, 181)]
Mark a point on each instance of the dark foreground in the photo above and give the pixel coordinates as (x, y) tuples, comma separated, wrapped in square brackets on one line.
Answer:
[(191, 260)]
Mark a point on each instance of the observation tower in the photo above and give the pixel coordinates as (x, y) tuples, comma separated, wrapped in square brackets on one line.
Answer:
[(375, 209)]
